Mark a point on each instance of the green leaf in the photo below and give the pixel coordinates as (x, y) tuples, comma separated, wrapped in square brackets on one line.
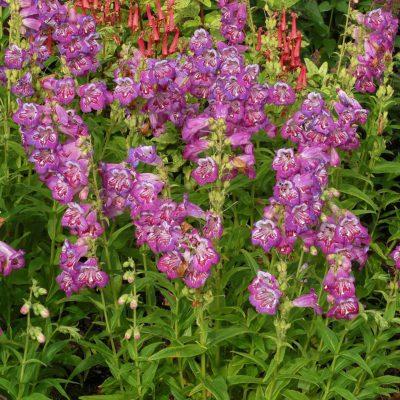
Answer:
[(218, 388), (327, 335), (354, 191), (105, 397), (243, 379), (189, 350), (347, 395), (356, 358), (36, 396), (387, 167), (222, 335), (251, 262), (294, 395), (325, 6)]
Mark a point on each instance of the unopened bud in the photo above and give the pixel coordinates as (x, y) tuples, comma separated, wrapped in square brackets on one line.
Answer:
[(41, 338), (42, 291), (136, 333), (128, 334), (133, 304), (25, 309), (44, 312), (313, 251), (122, 300)]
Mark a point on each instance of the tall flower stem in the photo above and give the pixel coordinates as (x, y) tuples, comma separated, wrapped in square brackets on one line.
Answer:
[(343, 48), (109, 333), (21, 386), (333, 366), (202, 324), (393, 298)]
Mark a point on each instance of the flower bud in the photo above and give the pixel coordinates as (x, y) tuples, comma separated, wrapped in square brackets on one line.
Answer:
[(133, 304), (25, 309), (136, 333), (41, 338), (44, 312), (122, 300), (128, 334)]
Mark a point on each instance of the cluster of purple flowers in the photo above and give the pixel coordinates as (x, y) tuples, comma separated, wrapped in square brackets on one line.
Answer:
[(218, 75), (297, 208), (56, 137), (233, 20), (79, 269), (77, 41), (160, 222), (378, 45), (44, 21), (10, 259)]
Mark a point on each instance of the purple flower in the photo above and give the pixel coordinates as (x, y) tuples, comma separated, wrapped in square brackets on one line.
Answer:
[(266, 234), (265, 293), (145, 154), (308, 300), (28, 114), (206, 171), (395, 254), (344, 309), (64, 90), (282, 94), (23, 88), (126, 90), (200, 41), (10, 259), (94, 96), (14, 57), (213, 228), (71, 254), (67, 281), (285, 163), (89, 275)]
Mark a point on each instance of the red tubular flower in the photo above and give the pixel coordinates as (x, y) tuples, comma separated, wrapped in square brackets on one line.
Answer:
[(141, 44), (96, 4), (164, 50), (85, 4), (279, 37), (135, 21), (49, 42), (174, 43), (283, 25), (294, 26), (259, 33), (159, 10), (149, 52), (107, 7), (130, 17), (171, 20), (302, 79)]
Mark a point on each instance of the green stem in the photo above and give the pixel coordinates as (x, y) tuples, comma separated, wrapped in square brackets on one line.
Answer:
[(203, 342), (342, 50), (109, 333), (21, 387), (333, 366)]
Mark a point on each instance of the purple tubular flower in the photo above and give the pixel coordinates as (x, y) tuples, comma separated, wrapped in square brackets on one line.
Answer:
[(266, 234), (200, 41), (94, 96), (89, 275), (64, 90), (23, 88), (282, 94), (10, 259), (71, 254), (264, 293), (395, 254), (308, 300), (145, 154), (126, 90), (206, 172), (14, 57), (213, 228)]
